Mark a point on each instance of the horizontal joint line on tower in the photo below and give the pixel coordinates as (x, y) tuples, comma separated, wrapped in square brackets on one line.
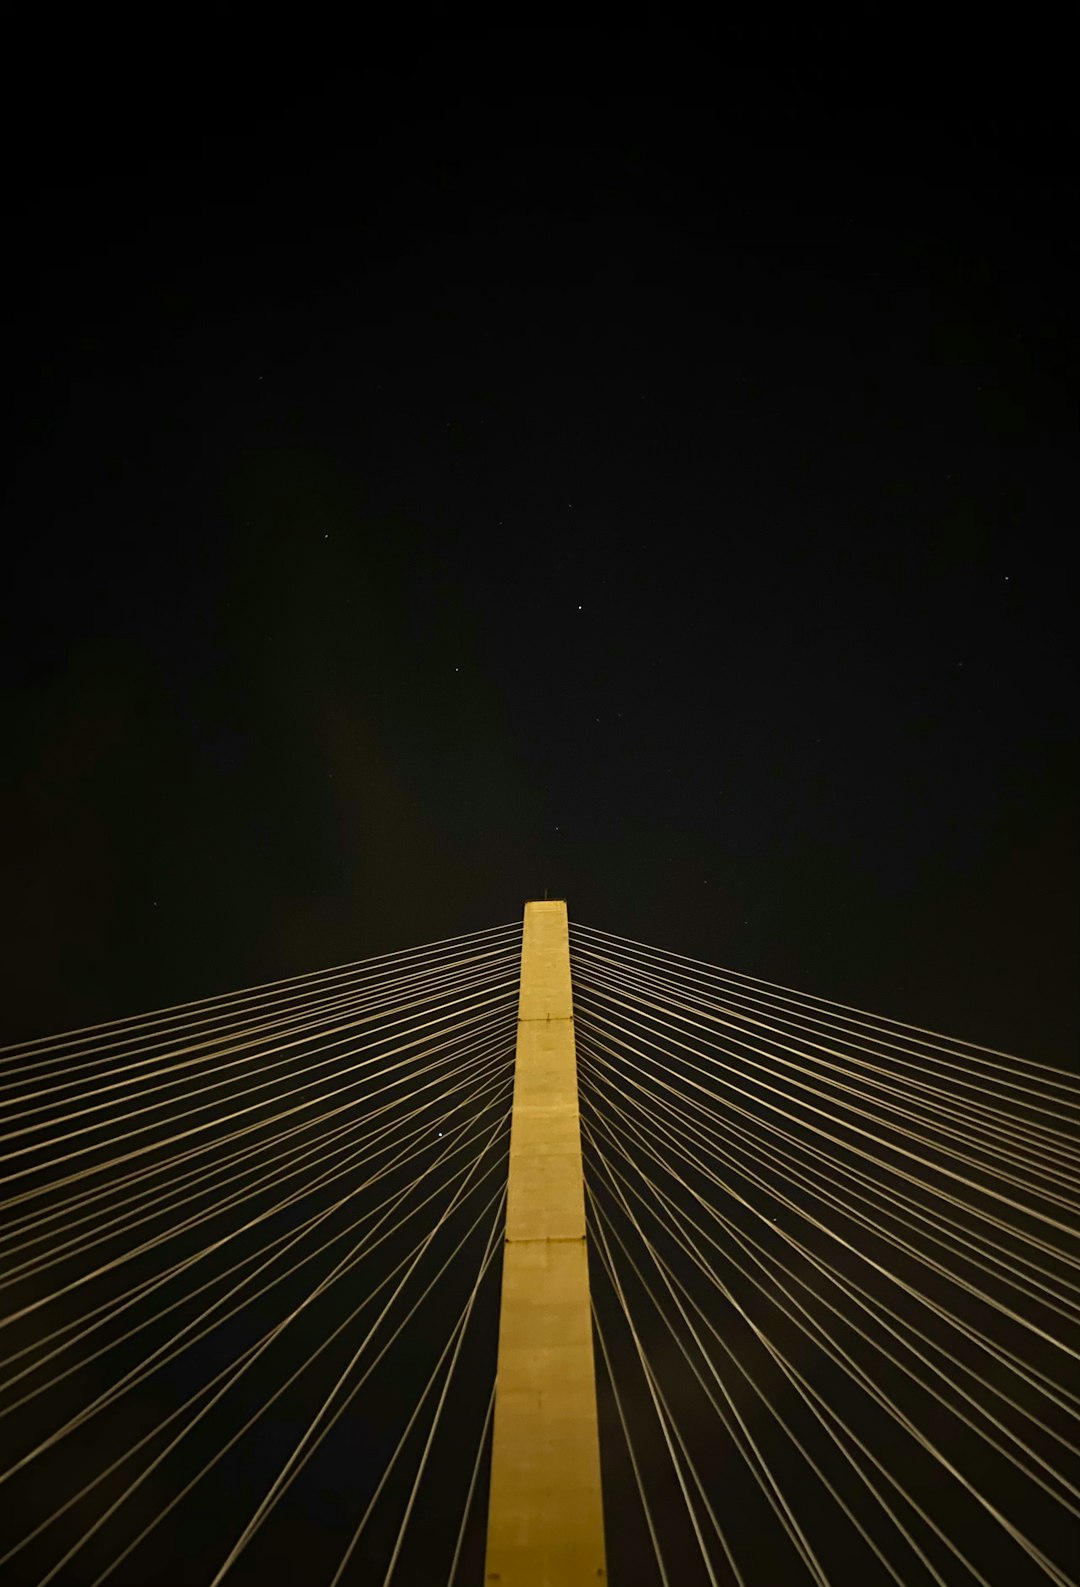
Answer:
[(543, 1239)]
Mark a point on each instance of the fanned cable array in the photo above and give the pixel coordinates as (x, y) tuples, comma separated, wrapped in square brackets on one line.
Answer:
[(835, 1270), (249, 1284), (248, 1279)]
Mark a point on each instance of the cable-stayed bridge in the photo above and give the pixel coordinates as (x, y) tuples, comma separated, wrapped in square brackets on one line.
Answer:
[(252, 1251)]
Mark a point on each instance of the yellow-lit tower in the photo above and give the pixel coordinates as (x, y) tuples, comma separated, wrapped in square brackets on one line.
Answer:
[(545, 1518)]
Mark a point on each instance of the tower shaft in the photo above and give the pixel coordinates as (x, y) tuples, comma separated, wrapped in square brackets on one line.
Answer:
[(545, 1518)]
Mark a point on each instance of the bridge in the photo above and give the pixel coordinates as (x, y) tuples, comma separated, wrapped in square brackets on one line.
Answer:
[(267, 1312)]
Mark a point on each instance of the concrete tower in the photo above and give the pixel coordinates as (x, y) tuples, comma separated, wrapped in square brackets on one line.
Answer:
[(545, 1518)]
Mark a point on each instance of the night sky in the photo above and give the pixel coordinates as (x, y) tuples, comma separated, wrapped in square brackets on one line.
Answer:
[(521, 460)]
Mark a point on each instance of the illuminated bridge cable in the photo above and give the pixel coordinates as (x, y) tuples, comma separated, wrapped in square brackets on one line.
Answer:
[(137, 1251), (668, 1428), (735, 1425), (997, 1129), (229, 1375), (213, 1314), (773, 1156), (1027, 1172), (416, 1141), (820, 1175), (676, 1231), (148, 1072), (630, 1059), (1006, 1128), (894, 1325), (788, 1519), (888, 1198), (639, 1023), (172, 1347), (825, 1418), (808, 1127), (881, 1058), (1046, 1074), (774, 1197), (455, 1045), (642, 1141), (455, 1341), (13, 1052), (643, 1497), (249, 1358), (698, 1135), (205, 1036), (387, 1082), (723, 1070), (323, 1415), (220, 1453), (499, 1084), (281, 1150), (141, 1151), (498, 997), (470, 1495)]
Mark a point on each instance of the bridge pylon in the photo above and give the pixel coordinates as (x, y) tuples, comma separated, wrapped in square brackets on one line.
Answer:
[(545, 1515)]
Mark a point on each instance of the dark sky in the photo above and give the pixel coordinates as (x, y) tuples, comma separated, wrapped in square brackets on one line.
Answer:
[(490, 462)]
